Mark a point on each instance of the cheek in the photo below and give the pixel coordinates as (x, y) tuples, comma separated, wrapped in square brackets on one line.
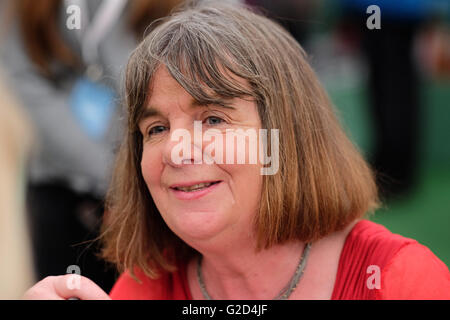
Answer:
[(240, 160), (236, 148), (246, 185), (151, 167)]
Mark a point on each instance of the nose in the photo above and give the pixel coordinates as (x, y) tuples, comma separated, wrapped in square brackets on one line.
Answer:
[(184, 145)]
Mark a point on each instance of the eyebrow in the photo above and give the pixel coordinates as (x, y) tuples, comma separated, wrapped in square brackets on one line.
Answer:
[(152, 111)]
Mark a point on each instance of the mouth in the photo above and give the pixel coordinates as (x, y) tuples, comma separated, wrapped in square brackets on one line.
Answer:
[(194, 187), (194, 190)]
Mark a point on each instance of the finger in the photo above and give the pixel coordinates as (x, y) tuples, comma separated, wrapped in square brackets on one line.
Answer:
[(42, 290), (73, 285), (34, 294)]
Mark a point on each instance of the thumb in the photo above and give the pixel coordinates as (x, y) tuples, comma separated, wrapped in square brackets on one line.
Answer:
[(74, 285)]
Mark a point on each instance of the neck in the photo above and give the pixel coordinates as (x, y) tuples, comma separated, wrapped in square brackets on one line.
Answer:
[(239, 272)]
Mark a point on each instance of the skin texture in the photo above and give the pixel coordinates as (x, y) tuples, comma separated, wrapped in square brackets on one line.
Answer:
[(216, 217)]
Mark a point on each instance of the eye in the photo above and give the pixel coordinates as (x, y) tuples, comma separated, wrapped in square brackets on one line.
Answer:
[(213, 120), (156, 130)]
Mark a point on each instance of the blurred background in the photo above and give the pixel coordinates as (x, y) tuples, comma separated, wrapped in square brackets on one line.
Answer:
[(391, 88), (386, 69)]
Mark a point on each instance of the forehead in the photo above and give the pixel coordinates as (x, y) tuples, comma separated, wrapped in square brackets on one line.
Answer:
[(163, 85), (163, 90)]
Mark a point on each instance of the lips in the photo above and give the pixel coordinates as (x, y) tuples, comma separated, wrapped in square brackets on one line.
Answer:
[(193, 187), (193, 190)]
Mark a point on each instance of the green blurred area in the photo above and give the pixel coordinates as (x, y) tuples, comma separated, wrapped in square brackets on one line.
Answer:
[(425, 214)]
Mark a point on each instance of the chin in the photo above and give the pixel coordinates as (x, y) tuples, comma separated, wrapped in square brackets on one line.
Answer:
[(197, 225)]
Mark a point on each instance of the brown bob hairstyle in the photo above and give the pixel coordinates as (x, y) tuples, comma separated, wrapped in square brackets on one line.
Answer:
[(323, 183)]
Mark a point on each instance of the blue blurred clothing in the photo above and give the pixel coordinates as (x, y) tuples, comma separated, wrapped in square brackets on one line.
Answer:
[(402, 9)]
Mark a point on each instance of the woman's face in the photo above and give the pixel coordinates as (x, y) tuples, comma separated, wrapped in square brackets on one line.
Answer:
[(199, 201)]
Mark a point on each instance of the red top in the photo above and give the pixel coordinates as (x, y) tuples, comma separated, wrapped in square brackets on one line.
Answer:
[(374, 264)]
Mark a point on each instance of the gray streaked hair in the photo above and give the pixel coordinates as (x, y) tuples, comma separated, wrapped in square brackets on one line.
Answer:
[(323, 183)]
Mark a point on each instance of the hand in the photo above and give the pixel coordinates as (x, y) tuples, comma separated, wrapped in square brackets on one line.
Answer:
[(65, 287)]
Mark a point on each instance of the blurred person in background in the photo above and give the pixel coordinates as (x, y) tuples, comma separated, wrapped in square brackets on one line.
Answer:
[(16, 268), (394, 86), (63, 59)]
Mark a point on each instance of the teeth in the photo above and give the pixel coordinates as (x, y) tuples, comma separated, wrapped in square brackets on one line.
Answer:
[(194, 187)]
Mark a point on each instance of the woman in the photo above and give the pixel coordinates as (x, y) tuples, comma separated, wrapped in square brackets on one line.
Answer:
[(180, 228)]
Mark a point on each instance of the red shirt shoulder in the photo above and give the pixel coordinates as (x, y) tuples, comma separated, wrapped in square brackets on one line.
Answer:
[(415, 273), (377, 264), (169, 286)]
